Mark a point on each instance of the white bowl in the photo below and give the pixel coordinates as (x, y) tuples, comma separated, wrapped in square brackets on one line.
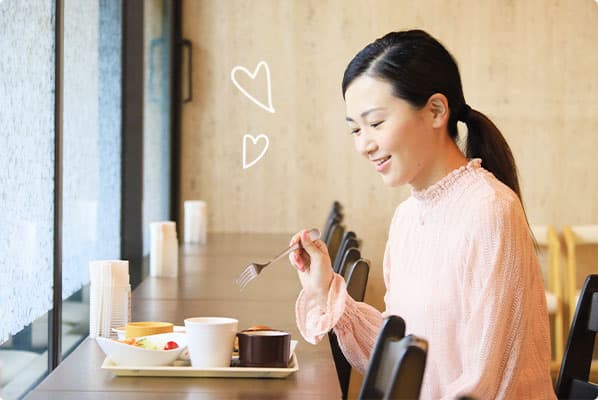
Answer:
[(129, 355)]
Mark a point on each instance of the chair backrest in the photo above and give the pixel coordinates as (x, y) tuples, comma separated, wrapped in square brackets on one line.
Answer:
[(337, 207), (346, 257), (573, 378), (356, 288), (332, 220), (397, 364), (348, 236), (575, 235), (357, 279), (334, 215), (334, 240), (546, 236)]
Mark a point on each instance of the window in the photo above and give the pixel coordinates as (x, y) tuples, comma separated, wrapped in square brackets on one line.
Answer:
[(156, 117), (100, 150), (26, 189), (91, 159)]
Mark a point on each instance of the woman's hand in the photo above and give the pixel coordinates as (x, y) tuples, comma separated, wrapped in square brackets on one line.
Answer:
[(314, 266)]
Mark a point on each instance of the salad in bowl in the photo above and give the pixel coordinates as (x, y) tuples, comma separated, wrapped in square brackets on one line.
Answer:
[(145, 351)]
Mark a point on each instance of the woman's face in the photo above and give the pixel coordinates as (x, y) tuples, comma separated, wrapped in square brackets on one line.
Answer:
[(388, 131)]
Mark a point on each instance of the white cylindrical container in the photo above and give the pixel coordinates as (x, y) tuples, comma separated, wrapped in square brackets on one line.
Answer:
[(110, 296), (164, 249), (120, 308), (196, 222)]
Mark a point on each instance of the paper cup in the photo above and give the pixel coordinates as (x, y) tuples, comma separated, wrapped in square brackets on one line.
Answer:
[(163, 249), (210, 341), (195, 222)]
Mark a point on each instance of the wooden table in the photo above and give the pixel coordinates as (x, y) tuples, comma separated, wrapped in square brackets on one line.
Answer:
[(205, 287)]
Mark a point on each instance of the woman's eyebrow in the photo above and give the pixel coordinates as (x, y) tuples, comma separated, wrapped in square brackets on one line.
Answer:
[(365, 113)]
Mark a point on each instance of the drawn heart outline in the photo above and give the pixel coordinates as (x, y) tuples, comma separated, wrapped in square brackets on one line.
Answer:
[(260, 65), (254, 140)]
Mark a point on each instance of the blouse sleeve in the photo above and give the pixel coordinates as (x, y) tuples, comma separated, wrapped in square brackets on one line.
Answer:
[(504, 303), (356, 324)]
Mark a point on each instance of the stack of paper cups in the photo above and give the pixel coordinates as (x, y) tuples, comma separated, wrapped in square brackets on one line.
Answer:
[(196, 222), (110, 296), (164, 249)]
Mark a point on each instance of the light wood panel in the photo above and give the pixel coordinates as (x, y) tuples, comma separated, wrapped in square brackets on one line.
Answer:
[(529, 65)]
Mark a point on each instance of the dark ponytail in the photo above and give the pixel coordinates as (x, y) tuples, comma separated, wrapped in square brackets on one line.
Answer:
[(417, 66), (485, 141)]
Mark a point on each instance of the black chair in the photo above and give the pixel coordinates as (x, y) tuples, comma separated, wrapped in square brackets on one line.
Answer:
[(352, 254), (343, 368), (334, 215), (356, 283), (573, 381), (334, 241), (357, 279), (349, 240), (337, 207), (332, 220), (397, 364)]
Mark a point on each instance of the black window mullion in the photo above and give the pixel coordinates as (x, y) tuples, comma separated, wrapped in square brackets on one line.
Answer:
[(55, 318), (132, 138), (176, 38)]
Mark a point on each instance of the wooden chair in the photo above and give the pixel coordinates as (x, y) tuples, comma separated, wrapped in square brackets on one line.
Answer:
[(356, 280), (546, 236), (576, 235), (573, 381), (397, 364)]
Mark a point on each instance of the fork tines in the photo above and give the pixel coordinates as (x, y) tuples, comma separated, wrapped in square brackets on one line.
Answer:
[(250, 273)]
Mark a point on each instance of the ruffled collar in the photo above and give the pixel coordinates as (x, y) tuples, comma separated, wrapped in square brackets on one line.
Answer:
[(439, 189)]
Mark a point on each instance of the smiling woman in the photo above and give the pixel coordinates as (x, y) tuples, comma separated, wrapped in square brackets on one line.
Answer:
[(396, 137), (463, 229)]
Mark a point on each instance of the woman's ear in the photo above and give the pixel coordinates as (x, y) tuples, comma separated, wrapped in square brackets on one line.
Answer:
[(438, 105)]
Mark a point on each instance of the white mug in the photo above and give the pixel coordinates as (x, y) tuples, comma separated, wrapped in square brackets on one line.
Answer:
[(210, 341)]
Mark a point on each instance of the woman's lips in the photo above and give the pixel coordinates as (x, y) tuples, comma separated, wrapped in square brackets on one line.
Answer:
[(382, 164)]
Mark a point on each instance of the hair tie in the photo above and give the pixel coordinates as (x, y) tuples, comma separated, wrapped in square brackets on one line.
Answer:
[(463, 114)]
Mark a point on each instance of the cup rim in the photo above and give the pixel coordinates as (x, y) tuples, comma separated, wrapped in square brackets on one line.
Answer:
[(264, 333), (203, 321), (194, 202)]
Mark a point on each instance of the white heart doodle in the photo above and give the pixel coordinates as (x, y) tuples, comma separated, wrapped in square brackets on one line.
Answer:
[(254, 140), (261, 64)]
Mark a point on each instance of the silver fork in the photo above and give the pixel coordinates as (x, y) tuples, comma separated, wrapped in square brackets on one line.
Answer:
[(253, 270)]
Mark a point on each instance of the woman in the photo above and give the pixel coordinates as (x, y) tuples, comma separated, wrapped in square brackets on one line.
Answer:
[(459, 266)]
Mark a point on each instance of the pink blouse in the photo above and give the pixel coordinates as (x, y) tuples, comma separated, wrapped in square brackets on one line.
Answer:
[(461, 269)]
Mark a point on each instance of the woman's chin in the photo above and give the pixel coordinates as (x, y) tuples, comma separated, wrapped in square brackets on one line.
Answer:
[(392, 181)]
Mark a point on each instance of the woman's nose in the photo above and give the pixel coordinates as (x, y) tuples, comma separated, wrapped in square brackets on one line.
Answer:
[(365, 144)]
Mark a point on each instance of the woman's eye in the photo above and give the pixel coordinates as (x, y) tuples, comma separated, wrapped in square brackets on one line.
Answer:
[(376, 124), (355, 131)]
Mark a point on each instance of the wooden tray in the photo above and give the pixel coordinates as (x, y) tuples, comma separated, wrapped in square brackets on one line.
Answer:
[(180, 369)]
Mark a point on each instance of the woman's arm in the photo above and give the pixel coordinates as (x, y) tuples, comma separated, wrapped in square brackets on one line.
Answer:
[(355, 324), (318, 311)]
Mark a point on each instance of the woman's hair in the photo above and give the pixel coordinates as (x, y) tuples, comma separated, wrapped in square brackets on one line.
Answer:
[(417, 66)]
